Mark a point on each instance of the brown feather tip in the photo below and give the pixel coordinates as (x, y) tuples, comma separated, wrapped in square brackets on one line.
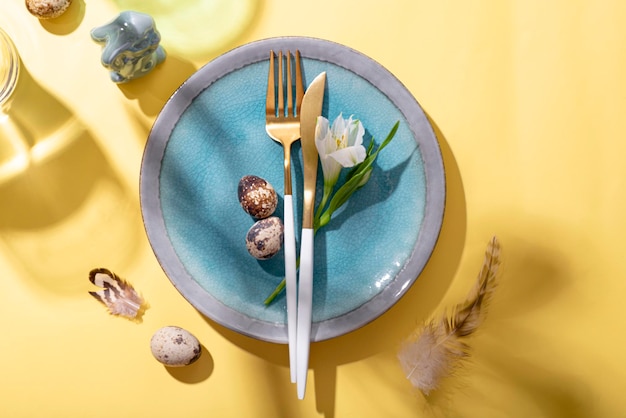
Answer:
[(435, 350), (119, 296)]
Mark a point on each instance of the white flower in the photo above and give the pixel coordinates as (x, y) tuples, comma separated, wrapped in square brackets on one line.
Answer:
[(339, 146)]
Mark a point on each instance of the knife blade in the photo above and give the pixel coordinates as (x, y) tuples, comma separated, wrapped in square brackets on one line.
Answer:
[(311, 109)]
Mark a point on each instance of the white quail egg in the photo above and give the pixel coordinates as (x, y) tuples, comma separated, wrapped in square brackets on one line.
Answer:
[(257, 196), (175, 346), (265, 238)]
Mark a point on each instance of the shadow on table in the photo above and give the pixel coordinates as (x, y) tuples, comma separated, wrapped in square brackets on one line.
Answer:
[(385, 333), (65, 210), (68, 21), (153, 90), (197, 372), (528, 360)]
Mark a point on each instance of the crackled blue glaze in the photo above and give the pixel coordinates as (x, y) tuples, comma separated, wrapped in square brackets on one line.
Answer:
[(130, 45), (221, 137)]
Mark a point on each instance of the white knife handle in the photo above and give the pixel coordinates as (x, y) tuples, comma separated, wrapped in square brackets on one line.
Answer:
[(305, 305), (290, 280)]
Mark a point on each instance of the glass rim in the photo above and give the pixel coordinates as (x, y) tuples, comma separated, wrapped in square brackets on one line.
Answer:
[(9, 70)]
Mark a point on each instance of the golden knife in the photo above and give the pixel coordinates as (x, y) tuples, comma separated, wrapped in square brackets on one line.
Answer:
[(311, 109)]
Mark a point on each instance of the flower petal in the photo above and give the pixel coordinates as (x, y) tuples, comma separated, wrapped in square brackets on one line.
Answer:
[(355, 132), (326, 144), (321, 129), (350, 156), (339, 126)]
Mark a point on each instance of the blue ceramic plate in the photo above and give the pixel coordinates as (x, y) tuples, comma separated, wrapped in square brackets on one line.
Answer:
[(212, 132)]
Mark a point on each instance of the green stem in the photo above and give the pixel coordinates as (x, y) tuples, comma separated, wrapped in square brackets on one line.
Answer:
[(322, 220), (328, 189), (275, 293)]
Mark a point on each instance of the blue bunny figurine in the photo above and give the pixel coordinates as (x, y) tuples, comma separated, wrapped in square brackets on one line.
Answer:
[(131, 45)]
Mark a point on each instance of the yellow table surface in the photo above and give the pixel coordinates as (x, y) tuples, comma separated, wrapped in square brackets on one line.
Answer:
[(528, 100)]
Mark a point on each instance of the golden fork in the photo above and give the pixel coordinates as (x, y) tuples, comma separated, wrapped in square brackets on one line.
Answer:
[(284, 127)]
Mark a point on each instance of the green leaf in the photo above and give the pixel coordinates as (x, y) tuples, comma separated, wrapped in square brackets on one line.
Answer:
[(345, 191), (390, 136)]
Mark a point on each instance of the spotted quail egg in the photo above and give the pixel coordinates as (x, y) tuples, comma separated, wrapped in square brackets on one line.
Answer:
[(175, 346), (265, 238), (257, 196), (47, 9)]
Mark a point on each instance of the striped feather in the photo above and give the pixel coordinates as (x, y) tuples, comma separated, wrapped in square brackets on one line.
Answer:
[(117, 295), (433, 351)]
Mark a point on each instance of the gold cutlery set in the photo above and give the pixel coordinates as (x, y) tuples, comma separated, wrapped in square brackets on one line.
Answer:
[(287, 121)]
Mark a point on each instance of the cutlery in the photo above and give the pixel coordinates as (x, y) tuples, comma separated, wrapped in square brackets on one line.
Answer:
[(311, 109), (285, 128)]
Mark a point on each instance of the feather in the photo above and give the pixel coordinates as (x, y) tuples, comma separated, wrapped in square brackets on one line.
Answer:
[(117, 295), (434, 351)]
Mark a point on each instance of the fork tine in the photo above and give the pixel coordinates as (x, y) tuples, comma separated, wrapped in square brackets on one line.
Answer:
[(270, 101), (281, 99), (289, 86), (299, 84)]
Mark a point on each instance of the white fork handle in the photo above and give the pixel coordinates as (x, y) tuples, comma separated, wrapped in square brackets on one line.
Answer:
[(305, 305), (290, 280)]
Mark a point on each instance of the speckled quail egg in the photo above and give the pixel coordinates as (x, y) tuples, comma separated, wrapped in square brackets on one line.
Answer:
[(175, 346), (257, 196), (265, 238), (47, 9)]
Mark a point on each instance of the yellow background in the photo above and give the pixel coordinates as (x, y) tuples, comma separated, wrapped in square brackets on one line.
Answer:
[(528, 100)]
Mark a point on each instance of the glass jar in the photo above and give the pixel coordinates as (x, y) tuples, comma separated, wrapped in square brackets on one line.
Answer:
[(9, 69), (13, 152)]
